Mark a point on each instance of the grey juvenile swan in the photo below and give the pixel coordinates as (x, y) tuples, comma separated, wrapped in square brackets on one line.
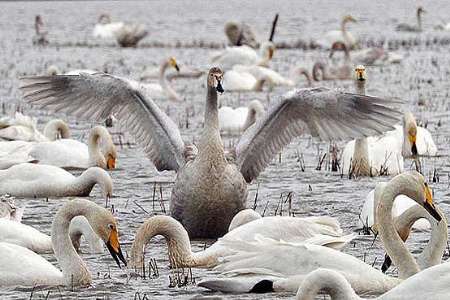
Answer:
[(413, 28), (209, 190)]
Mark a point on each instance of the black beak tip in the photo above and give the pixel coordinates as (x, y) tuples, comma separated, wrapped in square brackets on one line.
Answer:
[(414, 149), (219, 88), (177, 68), (116, 255)]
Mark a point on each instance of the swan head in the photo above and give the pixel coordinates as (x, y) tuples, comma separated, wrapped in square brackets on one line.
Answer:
[(360, 72), (173, 63), (104, 19), (267, 50), (420, 10), (105, 226), (38, 20), (53, 70), (215, 77), (410, 131), (349, 18)]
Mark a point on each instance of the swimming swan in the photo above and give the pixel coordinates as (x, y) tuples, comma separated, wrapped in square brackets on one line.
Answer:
[(20, 266), (26, 236), (239, 34), (126, 35), (36, 180), (278, 266), (431, 283), (237, 120), (208, 179), (317, 230), (342, 35), (23, 128)]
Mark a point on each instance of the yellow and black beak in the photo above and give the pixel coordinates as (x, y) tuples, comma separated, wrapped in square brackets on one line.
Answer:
[(111, 162), (412, 140), (177, 67), (429, 205), (113, 246)]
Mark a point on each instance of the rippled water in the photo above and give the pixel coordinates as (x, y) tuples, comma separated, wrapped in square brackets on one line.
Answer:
[(421, 78)]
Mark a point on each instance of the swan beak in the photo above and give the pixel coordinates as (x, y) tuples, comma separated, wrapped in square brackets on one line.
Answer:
[(429, 205), (111, 163), (113, 246), (271, 51), (219, 87), (412, 140), (177, 68)]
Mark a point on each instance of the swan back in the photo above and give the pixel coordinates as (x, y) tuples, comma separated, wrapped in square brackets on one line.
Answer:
[(243, 217)]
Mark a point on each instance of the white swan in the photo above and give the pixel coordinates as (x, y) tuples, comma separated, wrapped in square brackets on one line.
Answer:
[(237, 120), (208, 179), (371, 156), (161, 90), (66, 153), (238, 81), (243, 55), (36, 180), (23, 128), (127, 35), (315, 230), (271, 77), (20, 266), (278, 266), (26, 236), (431, 283), (342, 35), (412, 28)]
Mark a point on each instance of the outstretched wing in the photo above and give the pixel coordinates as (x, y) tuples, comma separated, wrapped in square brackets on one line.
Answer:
[(96, 96), (324, 113)]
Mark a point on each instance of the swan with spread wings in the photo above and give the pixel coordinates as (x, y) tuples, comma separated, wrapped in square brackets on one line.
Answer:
[(211, 188)]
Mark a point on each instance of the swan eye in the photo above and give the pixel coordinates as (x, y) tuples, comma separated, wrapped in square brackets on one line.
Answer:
[(111, 226)]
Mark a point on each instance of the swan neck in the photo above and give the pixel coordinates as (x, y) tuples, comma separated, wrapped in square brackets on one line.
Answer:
[(73, 268), (360, 159), (392, 242), (96, 158), (84, 183), (55, 128), (435, 248), (177, 238), (361, 86)]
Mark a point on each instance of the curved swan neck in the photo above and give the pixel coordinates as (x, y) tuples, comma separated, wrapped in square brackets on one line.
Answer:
[(435, 248), (163, 81), (394, 246), (55, 128), (319, 68), (81, 227), (303, 71), (86, 181), (255, 111), (328, 281), (73, 268), (177, 238), (96, 157)]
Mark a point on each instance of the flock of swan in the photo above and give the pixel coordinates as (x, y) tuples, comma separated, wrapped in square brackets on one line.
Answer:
[(252, 253)]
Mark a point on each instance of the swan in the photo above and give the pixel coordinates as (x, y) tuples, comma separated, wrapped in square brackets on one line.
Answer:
[(209, 190), (371, 156), (8, 209), (23, 128), (237, 120), (20, 266), (161, 90), (413, 28), (26, 236), (239, 34), (66, 153), (317, 230), (271, 77), (341, 35), (243, 55), (431, 283), (36, 180), (335, 72), (277, 266), (126, 35), (237, 81), (41, 35)]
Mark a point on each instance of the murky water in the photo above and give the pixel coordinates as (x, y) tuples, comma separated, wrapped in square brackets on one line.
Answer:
[(421, 78)]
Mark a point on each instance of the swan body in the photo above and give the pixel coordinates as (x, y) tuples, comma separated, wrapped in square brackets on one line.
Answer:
[(342, 35), (127, 35), (23, 128), (210, 188), (315, 230), (64, 153), (243, 55), (239, 119), (20, 266), (36, 180), (107, 31), (242, 81), (284, 265), (26, 236)]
